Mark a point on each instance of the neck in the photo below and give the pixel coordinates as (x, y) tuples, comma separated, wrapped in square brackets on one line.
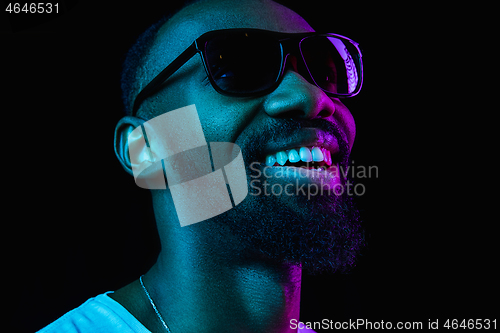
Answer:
[(199, 287)]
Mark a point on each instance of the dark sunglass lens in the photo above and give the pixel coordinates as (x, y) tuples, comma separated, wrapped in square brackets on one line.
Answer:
[(333, 64), (244, 63)]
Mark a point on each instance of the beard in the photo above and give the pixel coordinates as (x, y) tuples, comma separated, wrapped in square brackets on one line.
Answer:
[(321, 233)]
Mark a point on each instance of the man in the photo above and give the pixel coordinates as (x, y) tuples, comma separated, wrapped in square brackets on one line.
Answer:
[(239, 271)]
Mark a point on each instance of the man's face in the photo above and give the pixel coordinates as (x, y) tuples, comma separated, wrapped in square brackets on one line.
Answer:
[(320, 231)]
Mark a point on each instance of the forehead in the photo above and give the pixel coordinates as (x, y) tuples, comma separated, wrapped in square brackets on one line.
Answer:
[(193, 21)]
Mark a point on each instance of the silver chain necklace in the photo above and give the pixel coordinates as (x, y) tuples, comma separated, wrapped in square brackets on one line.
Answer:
[(154, 306)]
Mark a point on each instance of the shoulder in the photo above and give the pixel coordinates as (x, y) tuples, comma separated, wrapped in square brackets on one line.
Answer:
[(97, 314)]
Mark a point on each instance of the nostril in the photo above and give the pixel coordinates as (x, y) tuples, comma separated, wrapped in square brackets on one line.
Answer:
[(301, 114), (324, 113)]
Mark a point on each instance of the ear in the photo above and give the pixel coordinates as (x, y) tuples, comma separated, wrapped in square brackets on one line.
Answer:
[(136, 158), (123, 141)]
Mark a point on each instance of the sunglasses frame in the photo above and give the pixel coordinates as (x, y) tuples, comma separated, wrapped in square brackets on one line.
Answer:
[(199, 46)]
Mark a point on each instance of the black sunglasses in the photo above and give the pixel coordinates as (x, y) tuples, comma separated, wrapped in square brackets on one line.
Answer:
[(250, 62)]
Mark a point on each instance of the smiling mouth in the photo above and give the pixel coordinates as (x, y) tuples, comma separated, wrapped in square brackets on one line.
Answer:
[(313, 157)]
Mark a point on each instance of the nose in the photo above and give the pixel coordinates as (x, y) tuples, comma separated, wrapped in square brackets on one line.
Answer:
[(295, 97)]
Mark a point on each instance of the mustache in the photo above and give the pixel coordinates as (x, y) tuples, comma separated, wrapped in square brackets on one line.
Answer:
[(279, 130)]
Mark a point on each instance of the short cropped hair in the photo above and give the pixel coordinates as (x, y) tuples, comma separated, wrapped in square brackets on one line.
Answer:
[(136, 56), (133, 61)]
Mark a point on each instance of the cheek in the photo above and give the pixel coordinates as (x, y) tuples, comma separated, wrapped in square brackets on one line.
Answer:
[(223, 118), (345, 119)]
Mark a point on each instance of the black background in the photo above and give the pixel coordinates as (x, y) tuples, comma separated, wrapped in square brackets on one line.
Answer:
[(75, 222)]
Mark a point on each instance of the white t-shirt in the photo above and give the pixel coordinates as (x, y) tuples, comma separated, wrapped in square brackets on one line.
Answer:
[(102, 314)]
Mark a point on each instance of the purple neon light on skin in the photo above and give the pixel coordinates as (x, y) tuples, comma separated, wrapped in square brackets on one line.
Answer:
[(295, 233)]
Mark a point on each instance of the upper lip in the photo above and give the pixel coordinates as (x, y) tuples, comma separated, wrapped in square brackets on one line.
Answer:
[(306, 137)]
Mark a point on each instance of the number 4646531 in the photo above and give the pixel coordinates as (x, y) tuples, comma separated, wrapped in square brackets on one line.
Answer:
[(32, 8)]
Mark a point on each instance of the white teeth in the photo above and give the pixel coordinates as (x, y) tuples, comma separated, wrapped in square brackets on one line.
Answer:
[(304, 154), (281, 157), (317, 154), (270, 160), (293, 156)]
